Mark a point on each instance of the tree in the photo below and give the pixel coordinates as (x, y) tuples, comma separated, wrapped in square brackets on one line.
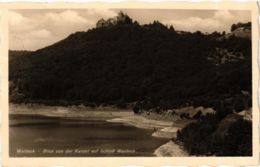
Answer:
[(171, 28), (233, 27), (123, 18), (101, 23), (239, 25)]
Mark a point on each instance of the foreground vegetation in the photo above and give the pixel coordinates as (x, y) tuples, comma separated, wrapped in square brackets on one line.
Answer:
[(213, 135)]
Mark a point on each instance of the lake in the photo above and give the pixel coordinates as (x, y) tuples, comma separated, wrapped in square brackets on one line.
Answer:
[(34, 135)]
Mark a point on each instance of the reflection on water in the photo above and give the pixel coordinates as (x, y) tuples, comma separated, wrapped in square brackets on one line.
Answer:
[(35, 135)]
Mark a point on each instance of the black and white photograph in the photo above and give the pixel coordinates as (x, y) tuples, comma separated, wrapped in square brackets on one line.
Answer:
[(130, 82)]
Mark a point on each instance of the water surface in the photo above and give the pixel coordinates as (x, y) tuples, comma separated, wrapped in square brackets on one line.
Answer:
[(45, 136)]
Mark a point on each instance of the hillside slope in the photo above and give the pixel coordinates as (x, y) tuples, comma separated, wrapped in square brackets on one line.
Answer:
[(126, 62)]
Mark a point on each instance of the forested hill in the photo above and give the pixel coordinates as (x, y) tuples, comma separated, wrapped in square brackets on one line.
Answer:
[(121, 61)]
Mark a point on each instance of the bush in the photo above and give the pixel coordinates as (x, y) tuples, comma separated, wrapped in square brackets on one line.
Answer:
[(199, 138)]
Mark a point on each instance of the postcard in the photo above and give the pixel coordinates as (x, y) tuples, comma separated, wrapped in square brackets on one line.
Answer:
[(129, 83)]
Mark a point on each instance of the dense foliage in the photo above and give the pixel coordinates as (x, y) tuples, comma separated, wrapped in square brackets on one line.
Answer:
[(206, 137), (240, 25), (125, 62)]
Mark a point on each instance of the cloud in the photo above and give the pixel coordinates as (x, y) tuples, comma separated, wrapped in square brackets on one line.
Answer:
[(223, 15), (101, 13), (39, 34), (68, 16), (19, 23), (39, 29), (221, 21), (63, 23), (195, 23), (35, 29)]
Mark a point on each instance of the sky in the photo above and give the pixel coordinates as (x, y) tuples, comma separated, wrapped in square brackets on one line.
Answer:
[(34, 29)]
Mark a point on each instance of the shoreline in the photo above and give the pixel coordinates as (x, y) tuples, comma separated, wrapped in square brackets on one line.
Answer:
[(163, 126), (162, 129)]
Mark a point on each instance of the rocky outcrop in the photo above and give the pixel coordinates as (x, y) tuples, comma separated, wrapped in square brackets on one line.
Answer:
[(170, 149), (246, 114)]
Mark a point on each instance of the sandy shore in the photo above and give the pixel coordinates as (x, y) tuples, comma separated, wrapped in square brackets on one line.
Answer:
[(70, 112), (162, 129), (142, 122)]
